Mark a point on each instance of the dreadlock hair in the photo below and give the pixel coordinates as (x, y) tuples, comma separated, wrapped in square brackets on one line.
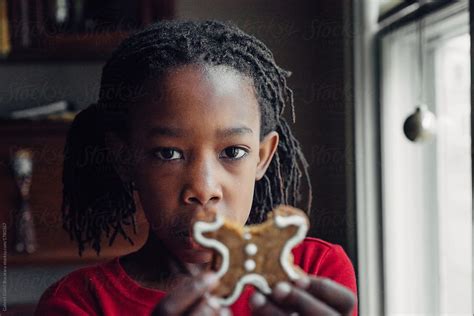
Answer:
[(95, 200)]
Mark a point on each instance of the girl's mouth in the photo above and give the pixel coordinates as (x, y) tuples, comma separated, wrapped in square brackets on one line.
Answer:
[(182, 234), (184, 237)]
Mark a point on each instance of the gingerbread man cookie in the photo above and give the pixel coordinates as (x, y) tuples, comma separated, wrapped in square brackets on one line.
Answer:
[(258, 255)]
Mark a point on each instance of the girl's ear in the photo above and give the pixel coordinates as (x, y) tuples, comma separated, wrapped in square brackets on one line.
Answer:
[(120, 155), (268, 147)]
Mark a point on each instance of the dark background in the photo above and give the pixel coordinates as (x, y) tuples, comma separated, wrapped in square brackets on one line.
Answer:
[(313, 39)]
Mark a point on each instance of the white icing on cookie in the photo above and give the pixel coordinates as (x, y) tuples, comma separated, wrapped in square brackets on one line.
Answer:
[(254, 279), (249, 265), (251, 249), (284, 221), (204, 227)]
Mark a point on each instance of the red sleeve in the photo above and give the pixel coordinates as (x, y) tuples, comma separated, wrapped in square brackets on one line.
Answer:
[(58, 307), (65, 300), (336, 265), (323, 259)]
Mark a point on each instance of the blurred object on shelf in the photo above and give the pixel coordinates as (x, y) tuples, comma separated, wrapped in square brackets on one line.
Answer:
[(24, 23), (25, 237), (58, 12), (66, 116), (62, 110), (5, 45)]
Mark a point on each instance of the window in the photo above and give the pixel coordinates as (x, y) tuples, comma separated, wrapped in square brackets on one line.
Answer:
[(427, 186)]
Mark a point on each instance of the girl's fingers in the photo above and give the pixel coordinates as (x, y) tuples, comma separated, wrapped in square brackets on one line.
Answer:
[(186, 294), (261, 306), (335, 295), (208, 306), (294, 299), (225, 311)]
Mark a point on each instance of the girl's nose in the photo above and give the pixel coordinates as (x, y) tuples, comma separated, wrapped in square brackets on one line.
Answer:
[(202, 185)]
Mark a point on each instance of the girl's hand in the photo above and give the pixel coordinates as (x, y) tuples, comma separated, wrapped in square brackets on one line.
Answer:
[(309, 296), (191, 297)]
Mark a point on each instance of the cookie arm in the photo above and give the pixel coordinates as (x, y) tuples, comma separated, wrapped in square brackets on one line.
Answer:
[(285, 221), (201, 228)]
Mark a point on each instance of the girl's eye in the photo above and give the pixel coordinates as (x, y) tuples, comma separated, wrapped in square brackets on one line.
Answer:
[(167, 154), (234, 153)]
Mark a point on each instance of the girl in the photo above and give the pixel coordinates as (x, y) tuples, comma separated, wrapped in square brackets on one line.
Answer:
[(190, 117)]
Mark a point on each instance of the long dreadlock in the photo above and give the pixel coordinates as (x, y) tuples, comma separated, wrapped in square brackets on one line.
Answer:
[(95, 200)]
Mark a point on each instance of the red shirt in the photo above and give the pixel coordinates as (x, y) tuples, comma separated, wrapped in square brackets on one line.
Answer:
[(106, 289)]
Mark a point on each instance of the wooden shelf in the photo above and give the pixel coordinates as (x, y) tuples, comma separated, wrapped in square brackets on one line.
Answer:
[(70, 47), (66, 252), (21, 309), (15, 128), (91, 33)]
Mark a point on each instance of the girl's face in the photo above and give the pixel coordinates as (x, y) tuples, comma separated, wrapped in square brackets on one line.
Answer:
[(199, 131)]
